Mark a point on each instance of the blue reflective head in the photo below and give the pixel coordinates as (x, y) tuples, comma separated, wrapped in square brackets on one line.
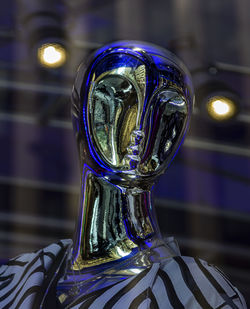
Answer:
[(131, 106)]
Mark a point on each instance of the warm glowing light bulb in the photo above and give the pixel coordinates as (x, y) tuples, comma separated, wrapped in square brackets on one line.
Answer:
[(221, 108), (52, 55)]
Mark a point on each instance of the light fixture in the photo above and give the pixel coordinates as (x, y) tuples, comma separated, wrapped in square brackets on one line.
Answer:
[(221, 108), (51, 55), (45, 33), (217, 102)]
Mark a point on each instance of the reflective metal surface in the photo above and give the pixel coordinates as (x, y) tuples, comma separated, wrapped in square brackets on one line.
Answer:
[(103, 233), (130, 107)]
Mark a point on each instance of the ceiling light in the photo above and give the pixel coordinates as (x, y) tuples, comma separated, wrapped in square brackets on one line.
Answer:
[(52, 55), (221, 108)]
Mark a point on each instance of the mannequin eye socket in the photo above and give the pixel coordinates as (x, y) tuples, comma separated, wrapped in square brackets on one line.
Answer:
[(165, 126)]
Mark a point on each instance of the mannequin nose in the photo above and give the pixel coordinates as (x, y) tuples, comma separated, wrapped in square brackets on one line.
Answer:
[(135, 148)]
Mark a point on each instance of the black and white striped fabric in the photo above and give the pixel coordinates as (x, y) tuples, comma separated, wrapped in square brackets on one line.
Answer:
[(178, 282), (25, 279)]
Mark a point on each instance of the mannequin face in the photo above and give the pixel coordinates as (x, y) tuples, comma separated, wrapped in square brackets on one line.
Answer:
[(133, 134), (131, 108), (113, 119)]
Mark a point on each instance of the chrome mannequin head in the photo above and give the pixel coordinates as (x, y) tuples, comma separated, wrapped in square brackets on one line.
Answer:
[(131, 108)]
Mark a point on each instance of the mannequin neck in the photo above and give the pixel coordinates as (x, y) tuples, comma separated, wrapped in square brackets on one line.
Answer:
[(114, 222)]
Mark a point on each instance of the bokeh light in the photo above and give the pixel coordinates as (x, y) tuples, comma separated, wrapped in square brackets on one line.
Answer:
[(221, 108), (52, 55)]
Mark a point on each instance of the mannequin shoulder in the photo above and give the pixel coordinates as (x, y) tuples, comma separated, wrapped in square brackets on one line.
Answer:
[(194, 280), (22, 277), (46, 256)]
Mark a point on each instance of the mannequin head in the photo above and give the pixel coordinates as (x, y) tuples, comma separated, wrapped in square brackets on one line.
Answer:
[(131, 107)]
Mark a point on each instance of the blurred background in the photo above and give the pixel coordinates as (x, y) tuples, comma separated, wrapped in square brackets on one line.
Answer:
[(204, 197)]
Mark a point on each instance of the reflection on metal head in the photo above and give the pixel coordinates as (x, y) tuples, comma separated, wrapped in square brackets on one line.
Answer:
[(131, 108)]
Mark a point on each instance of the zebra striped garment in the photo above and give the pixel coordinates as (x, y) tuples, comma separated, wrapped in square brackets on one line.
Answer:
[(29, 282)]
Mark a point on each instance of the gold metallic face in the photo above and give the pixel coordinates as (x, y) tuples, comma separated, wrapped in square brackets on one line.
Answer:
[(123, 139), (113, 114), (115, 106)]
